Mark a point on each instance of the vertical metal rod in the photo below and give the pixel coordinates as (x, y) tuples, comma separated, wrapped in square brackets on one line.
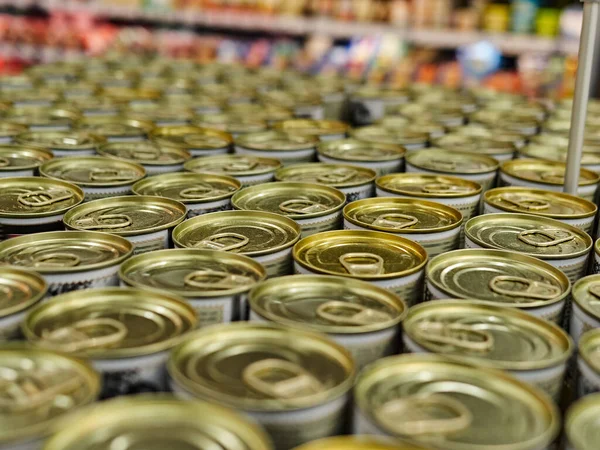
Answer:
[(582, 92)]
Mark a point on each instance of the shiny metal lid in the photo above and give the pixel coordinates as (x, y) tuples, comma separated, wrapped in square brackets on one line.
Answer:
[(427, 185), (443, 112), (43, 117), (446, 161), (39, 96), (116, 126), (582, 423), (586, 293), (356, 150), (387, 135), (95, 105), (314, 128), (553, 153), (276, 141), (145, 152), (61, 140), (268, 112), (336, 175), (504, 119), (233, 165), (548, 172), (474, 144), (93, 171), (371, 91), (161, 112), (129, 94), (191, 137), (358, 442), (11, 130), (19, 289), (20, 157), (235, 123)]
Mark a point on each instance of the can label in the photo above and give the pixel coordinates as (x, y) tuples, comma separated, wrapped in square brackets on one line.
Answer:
[(319, 224), (358, 192), (277, 264), (205, 208), (15, 228), (145, 243), (63, 283), (216, 310)]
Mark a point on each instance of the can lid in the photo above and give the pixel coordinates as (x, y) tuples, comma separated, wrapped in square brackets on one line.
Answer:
[(559, 154), (386, 135), (586, 293), (34, 116), (445, 161), (115, 126), (366, 255), (582, 422), (160, 112), (65, 251), (251, 233), (310, 127), (327, 304), (109, 323), (547, 172), (10, 129), (191, 137), (291, 98), (500, 277), (194, 101), (231, 122), (358, 442), (61, 140), (258, 367), (233, 165), (488, 336), (19, 290), (427, 185), (269, 112), (33, 96), (474, 144), (537, 236), (589, 348), (19, 157), (356, 150), (498, 134), (145, 152), (276, 141), (294, 200), (128, 215), (336, 175), (546, 140), (504, 119), (95, 104), (371, 91), (441, 113), (130, 94)]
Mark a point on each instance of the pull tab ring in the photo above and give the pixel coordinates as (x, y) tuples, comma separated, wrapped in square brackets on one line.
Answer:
[(531, 204), (455, 334), (6, 294), (4, 162), (146, 154), (553, 235), (299, 382), (63, 260), (385, 220), (42, 198), (110, 175), (361, 315), (367, 264), (594, 289), (450, 165), (95, 223), (215, 279), (240, 165), (199, 191), (440, 188), (337, 176), (73, 338), (212, 243), (533, 289), (301, 206)]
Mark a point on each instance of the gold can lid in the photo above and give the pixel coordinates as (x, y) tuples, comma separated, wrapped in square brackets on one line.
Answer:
[(487, 336), (268, 112), (20, 157), (191, 137), (43, 117), (64, 251), (294, 200), (188, 187), (158, 421), (523, 110), (28, 197), (359, 442), (433, 399), (503, 278), (386, 135), (446, 161), (93, 171), (225, 92), (498, 134), (336, 175), (233, 165), (537, 236), (145, 152), (193, 272), (366, 255), (427, 185), (22, 81), (371, 91), (586, 293), (37, 96), (110, 322), (559, 154), (160, 112), (10, 129), (441, 113), (19, 289), (128, 215), (255, 366), (62, 140), (131, 94), (471, 144), (548, 172), (313, 128), (540, 202), (327, 304), (504, 119), (582, 423), (251, 233), (116, 126), (196, 102), (39, 388), (402, 215), (589, 348), (276, 141), (73, 88), (111, 76), (546, 140), (357, 150), (235, 123), (95, 105), (291, 98)]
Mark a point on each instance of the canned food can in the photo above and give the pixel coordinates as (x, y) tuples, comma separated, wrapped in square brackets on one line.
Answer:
[(354, 181), (77, 89), (284, 146), (155, 158), (22, 160), (38, 97), (265, 237), (21, 290), (34, 204), (236, 124), (162, 114), (369, 103), (433, 225), (46, 118), (198, 141), (97, 176), (358, 443), (116, 128), (363, 318), (448, 114), (499, 150), (268, 112), (125, 333), (596, 266), (391, 391), (63, 143), (247, 169), (588, 363), (18, 82), (265, 365), (431, 129), (112, 77), (144, 220), (9, 131), (500, 278), (131, 95), (378, 134), (531, 349), (68, 260), (478, 168), (94, 106), (590, 160), (323, 130), (506, 120), (199, 103), (303, 102), (581, 421), (201, 193), (229, 94), (498, 134), (386, 260), (586, 314)]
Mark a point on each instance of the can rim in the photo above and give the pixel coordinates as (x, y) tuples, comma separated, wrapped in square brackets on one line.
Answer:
[(34, 277), (46, 154), (281, 172), (49, 165), (477, 186), (493, 163), (507, 167)]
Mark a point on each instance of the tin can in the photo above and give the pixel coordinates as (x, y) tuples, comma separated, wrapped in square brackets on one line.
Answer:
[(97, 176), (199, 103), (563, 246), (155, 158), (548, 175), (315, 207), (284, 146), (499, 150), (410, 140), (581, 422), (363, 318), (324, 130), (506, 120), (479, 168), (500, 278), (45, 118), (568, 209), (369, 103), (144, 220), (304, 103), (596, 266), (388, 261), (433, 225), (229, 94), (354, 181), (236, 124), (198, 141), (162, 114), (358, 443), (159, 419), (498, 134), (131, 95), (34, 204), (447, 114), (431, 129), (590, 160), (270, 113), (586, 314), (112, 77), (125, 333), (18, 82), (35, 383), (68, 260), (76, 89), (63, 143), (96, 106), (247, 169), (588, 363), (431, 399), (39, 97), (382, 158), (21, 290), (9, 131), (294, 383), (265, 237), (21, 160), (531, 349), (116, 128)]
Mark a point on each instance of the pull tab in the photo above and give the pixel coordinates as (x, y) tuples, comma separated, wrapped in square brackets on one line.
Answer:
[(362, 263), (439, 188), (553, 235), (215, 279), (147, 154), (72, 141), (533, 289), (337, 176), (199, 191), (6, 294), (43, 198), (241, 165), (4, 162), (56, 259), (555, 177), (440, 163), (301, 206), (531, 204), (466, 337), (346, 313), (594, 289), (408, 416), (296, 380), (97, 223), (110, 175), (212, 242), (387, 221), (74, 338)]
